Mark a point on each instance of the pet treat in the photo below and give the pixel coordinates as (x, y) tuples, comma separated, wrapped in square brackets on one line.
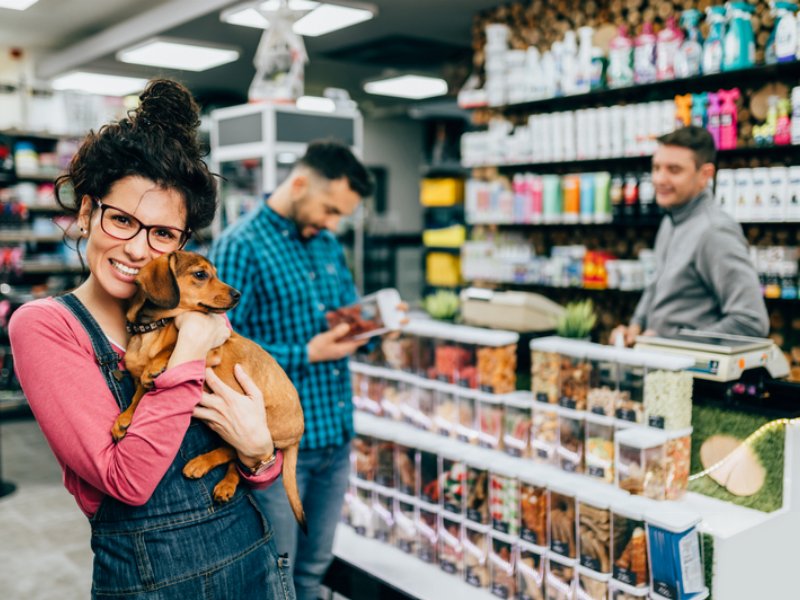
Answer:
[(497, 368), (352, 315), (517, 427), (502, 573), (384, 473), (530, 574), (630, 551), (594, 529), (562, 524), (570, 441), (364, 449), (504, 501), (454, 364), (477, 508), (574, 378), (405, 469), (453, 484), (427, 537), (668, 399), (545, 374), (476, 555), (451, 550), (490, 417), (560, 581), (544, 434), (533, 512)]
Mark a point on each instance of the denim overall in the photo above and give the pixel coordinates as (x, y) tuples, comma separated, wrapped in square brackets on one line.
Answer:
[(180, 544)]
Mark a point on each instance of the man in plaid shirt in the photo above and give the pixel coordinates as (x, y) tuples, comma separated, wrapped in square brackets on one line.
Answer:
[(291, 270)]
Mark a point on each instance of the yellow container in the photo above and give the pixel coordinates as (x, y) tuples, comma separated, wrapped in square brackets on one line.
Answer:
[(446, 237), (442, 268), (441, 191)]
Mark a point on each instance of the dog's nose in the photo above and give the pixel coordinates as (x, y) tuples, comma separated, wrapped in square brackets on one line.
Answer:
[(235, 294)]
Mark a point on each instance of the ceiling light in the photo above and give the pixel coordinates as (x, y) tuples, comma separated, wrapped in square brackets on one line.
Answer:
[(178, 54), (316, 104), (330, 17), (97, 83), (249, 17), (17, 4), (415, 87)]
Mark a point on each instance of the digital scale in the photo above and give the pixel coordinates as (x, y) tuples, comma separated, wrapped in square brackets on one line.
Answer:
[(721, 357)]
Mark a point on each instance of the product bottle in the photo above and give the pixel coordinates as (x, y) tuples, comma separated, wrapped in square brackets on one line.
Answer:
[(615, 194), (683, 110), (535, 73), (569, 64), (630, 197), (796, 115), (549, 75), (783, 124), (644, 55), (782, 43), (647, 197), (602, 202), (771, 123), (713, 117), (587, 197), (699, 102), (571, 185), (536, 187), (690, 54), (584, 79), (740, 43), (620, 59), (598, 69), (551, 194), (713, 48), (728, 123), (668, 44)]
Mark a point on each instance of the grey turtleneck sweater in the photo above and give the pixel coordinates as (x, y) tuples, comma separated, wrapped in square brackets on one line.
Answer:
[(704, 276)]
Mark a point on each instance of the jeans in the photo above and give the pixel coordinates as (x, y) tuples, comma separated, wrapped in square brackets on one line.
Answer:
[(322, 477)]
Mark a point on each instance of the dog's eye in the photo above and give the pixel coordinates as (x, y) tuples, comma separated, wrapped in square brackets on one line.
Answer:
[(200, 275)]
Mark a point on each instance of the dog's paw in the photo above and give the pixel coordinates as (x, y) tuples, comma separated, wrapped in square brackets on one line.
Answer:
[(195, 468), (119, 429), (224, 490)]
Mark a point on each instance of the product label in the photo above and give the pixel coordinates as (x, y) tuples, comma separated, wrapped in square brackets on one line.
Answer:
[(568, 465), (560, 547), (543, 454), (625, 576), (591, 563), (360, 530), (443, 378), (529, 535), (598, 472), (626, 415), (691, 567), (475, 515), (382, 536), (472, 578), (567, 402), (454, 508), (665, 590), (501, 526), (501, 591), (426, 554), (448, 567), (541, 397), (656, 421)]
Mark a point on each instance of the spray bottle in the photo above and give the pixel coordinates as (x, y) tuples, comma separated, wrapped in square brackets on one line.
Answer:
[(644, 55), (713, 48), (728, 118), (569, 64), (740, 43), (668, 44), (683, 110), (690, 54), (783, 125), (620, 57), (782, 44), (699, 115), (713, 117), (584, 83)]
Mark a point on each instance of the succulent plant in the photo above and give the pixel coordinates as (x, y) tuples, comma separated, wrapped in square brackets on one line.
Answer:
[(443, 304), (578, 320)]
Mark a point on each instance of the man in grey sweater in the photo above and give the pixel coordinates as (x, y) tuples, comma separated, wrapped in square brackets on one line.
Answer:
[(704, 276)]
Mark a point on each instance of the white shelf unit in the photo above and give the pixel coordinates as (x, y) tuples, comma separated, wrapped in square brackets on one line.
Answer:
[(753, 550)]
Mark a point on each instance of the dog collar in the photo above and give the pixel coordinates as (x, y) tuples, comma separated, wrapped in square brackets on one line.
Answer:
[(146, 327)]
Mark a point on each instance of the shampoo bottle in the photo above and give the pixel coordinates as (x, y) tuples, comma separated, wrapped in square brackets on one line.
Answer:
[(690, 54), (713, 48), (713, 117), (620, 57), (683, 110), (644, 55), (740, 43), (668, 44), (699, 115), (782, 45)]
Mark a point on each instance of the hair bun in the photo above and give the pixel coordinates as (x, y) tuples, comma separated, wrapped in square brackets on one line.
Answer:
[(169, 106)]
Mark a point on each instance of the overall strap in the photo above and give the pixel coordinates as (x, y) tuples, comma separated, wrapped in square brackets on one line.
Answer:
[(107, 358)]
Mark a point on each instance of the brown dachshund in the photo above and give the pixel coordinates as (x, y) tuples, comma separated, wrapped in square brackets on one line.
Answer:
[(181, 281)]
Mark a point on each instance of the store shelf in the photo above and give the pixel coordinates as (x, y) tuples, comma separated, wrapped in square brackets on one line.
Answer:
[(13, 236), (404, 572), (450, 169), (44, 208), (661, 90), (37, 135), (37, 177), (54, 267)]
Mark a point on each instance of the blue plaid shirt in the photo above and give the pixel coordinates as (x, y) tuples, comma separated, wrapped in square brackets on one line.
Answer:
[(287, 285)]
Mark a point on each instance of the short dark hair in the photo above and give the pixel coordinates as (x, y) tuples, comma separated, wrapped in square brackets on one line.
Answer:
[(697, 139), (333, 160)]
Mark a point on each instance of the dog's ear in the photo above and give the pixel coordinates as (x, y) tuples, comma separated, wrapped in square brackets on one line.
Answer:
[(157, 282)]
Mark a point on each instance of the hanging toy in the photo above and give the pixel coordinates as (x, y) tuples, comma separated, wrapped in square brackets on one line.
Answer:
[(690, 54), (740, 43), (713, 48)]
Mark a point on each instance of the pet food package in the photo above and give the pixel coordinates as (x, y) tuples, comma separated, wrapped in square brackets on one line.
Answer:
[(676, 561), (629, 545), (477, 501), (374, 314), (452, 481), (427, 532), (641, 465), (383, 514), (560, 579), (592, 586), (517, 424), (490, 419), (451, 550), (476, 554), (504, 496), (405, 520), (533, 509), (502, 566), (530, 572)]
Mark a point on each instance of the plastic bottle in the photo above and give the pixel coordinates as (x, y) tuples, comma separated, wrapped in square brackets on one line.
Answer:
[(598, 70), (644, 55), (535, 185), (620, 59), (569, 64), (729, 114), (699, 115), (587, 197), (535, 74), (549, 75), (690, 54), (630, 197), (616, 196), (783, 125), (683, 110), (584, 78), (713, 48), (796, 115), (740, 42), (771, 122), (713, 117), (551, 195), (602, 202), (668, 44), (782, 43), (571, 185), (648, 209)]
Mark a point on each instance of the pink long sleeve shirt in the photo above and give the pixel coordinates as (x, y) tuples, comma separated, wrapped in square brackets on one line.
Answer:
[(55, 363)]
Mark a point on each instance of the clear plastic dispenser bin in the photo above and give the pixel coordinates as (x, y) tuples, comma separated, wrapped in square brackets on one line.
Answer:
[(427, 532), (544, 433), (533, 509), (560, 578), (405, 518), (374, 314), (451, 550), (476, 554), (477, 502), (517, 424), (502, 566), (383, 514), (504, 496), (641, 464), (599, 447), (453, 481), (592, 586), (629, 558), (530, 572), (563, 520), (490, 419)]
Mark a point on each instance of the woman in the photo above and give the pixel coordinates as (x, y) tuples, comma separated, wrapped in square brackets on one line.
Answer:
[(155, 533)]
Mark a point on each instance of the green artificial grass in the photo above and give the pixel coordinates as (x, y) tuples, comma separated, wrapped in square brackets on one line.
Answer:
[(708, 421), (707, 548)]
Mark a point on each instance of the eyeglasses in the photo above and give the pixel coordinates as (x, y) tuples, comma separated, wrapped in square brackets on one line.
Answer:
[(124, 226)]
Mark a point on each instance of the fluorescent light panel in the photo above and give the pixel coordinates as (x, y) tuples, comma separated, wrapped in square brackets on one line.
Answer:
[(17, 4), (175, 54), (316, 104), (414, 87), (250, 17), (322, 18), (97, 83)]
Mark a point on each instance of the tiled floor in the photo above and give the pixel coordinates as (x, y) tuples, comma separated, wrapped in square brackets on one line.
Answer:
[(44, 537)]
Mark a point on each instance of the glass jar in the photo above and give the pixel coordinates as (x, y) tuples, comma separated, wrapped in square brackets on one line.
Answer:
[(364, 457), (592, 586), (594, 532), (530, 572), (445, 418), (477, 503), (517, 424), (467, 429), (533, 509), (490, 419), (570, 440), (502, 566), (497, 367), (453, 479), (641, 467), (563, 540), (504, 497), (544, 433), (629, 544), (476, 554), (560, 579), (546, 376), (451, 550), (427, 536), (382, 514), (405, 518), (600, 447)]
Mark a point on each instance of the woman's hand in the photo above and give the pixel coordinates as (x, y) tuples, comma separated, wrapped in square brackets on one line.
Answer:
[(197, 334), (239, 419)]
